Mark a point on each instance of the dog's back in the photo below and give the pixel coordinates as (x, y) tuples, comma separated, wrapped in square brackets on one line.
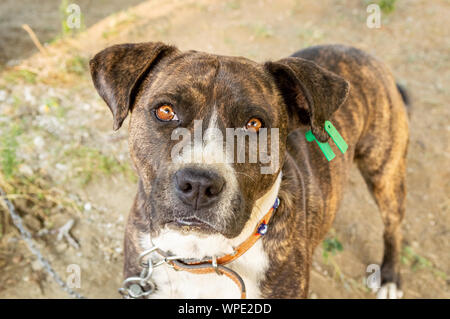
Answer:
[(374, 122)]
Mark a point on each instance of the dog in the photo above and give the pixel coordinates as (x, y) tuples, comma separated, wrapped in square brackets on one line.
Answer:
[(204, 209)]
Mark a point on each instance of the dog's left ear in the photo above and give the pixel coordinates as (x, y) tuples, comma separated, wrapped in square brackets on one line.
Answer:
[(118, 70), (311, 93)]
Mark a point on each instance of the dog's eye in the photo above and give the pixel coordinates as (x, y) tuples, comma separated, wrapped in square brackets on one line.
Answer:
[(253, 124), (165, 113)]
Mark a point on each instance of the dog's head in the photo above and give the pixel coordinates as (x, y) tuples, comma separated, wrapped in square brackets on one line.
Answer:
[(182, 104)]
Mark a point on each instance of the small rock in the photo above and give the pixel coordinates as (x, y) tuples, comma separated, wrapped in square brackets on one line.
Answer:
[(39, 142), (61, 247), (313, 296), (17, 259), (61, 167), (36, 265), (32, 223), (25, 170), (87, 207), (13, 62), (29, 97), (12, 240)]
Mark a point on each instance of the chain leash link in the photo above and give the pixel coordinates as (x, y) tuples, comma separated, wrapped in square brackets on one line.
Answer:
[(142, 286)]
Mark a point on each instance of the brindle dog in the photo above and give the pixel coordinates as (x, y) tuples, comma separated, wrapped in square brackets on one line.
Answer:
[(199, 209)]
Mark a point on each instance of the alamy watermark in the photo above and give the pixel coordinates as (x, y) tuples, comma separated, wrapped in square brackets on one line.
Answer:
[(74, 278), (374, 18), (373, 281), (73, 20), (211, 147)]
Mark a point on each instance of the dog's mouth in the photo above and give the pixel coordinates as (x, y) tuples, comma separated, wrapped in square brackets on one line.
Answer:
[(224, 218), (192, 223)]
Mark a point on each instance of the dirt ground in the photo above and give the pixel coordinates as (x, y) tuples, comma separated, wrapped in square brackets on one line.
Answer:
[(71, 145), (44, 17)]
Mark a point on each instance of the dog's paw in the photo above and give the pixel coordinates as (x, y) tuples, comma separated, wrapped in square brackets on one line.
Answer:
[(389, 290)]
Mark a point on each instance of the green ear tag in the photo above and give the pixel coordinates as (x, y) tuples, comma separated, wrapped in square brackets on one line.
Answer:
[(324, 147), (337, 138)]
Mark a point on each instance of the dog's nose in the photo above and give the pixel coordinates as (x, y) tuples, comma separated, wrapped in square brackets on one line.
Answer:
[(198, 188)]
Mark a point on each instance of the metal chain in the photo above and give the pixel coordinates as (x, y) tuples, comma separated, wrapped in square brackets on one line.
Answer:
[(142, 286), (26, 236)]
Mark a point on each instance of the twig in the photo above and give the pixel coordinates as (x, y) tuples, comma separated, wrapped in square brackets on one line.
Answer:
[(64, 231), (34, 38)]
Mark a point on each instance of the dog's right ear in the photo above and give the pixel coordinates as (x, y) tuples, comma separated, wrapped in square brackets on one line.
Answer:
[(118, 70)]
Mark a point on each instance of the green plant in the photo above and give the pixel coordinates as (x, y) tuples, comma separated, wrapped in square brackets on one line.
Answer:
[(387, 6), (418, 262), (53, 105), (262, 31), (331, 246), (233, 4), (16, 101), (8, 148), (309, 36), (119, 23), (89, 162), (16, 76), (409, 256), (77, 65)]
